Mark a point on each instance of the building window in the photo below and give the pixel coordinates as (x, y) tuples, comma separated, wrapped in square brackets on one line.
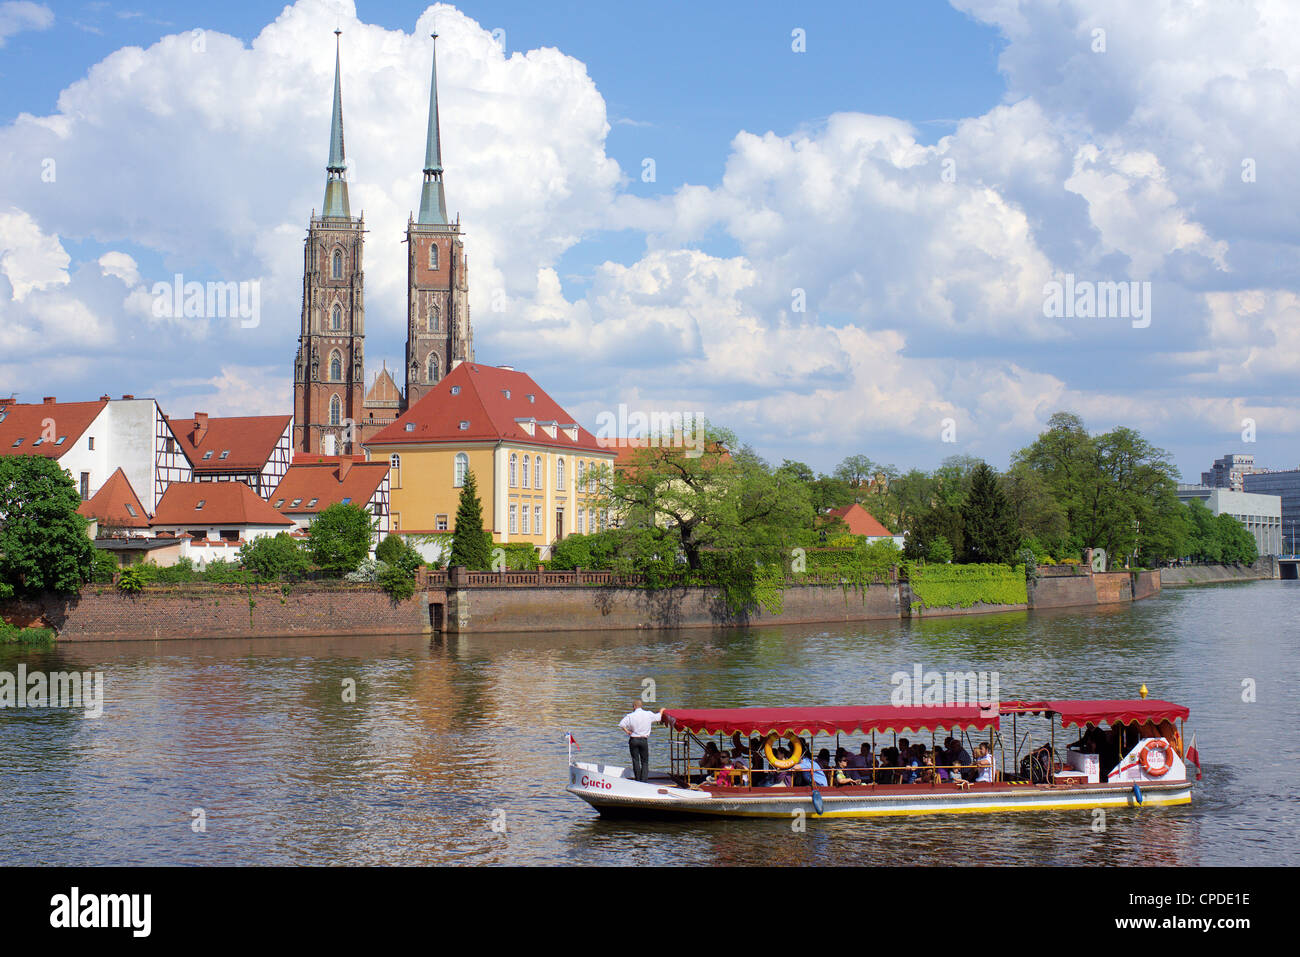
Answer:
[(462, 467), (581, 486), (395, 521), (85, 486), (464, 425), (336, 411), (440, 523), (538, 472), (336, 317), (581, 524), (395, 471), (336, 268), (433, 255), (537, 521), (90, 443), (559, 473), (514, 470), (431, 367), (514, 519), (526, 464), (525, 520)]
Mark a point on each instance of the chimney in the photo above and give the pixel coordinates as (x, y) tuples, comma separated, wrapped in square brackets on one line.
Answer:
[(49, 400), (105, 398), (200, 428), (506, 368), (126, 397), (345, 466)]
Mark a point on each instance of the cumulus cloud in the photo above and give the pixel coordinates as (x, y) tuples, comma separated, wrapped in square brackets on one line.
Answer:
[(19, 15)]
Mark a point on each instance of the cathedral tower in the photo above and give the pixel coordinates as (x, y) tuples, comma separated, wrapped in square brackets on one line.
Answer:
[(438, 330), (329, 374)]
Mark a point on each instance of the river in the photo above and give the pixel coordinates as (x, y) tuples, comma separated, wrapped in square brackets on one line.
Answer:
[(453, 750)]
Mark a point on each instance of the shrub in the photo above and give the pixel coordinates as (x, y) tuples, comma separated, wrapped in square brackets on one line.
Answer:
[(14, 635), (961, 586), (132, 580), (396, 582), (103, 567), (275, 557), (390, 549), (339, 538), (222, 572)]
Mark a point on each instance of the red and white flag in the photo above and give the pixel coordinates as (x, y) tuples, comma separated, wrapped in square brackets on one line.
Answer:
[(1194, 756)]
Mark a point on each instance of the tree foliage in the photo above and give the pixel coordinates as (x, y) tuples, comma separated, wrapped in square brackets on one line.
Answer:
[(339, 539), (43, 541), (470, 545), (276, 557), (988, 522)]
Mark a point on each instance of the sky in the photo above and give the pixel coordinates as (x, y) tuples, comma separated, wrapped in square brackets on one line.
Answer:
[(835, 228)]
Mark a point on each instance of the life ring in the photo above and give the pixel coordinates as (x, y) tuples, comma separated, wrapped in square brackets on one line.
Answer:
[(783, 764), (1144, 757)]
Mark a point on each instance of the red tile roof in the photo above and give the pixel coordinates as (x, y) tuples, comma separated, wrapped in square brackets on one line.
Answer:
[(224, 503), (626, 449), (316, 486), (114, 503), (860, 521), (28, 421), (477, 395), (249, 440)]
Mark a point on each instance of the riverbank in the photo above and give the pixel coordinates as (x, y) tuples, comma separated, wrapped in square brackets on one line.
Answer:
[(1265, 568), (461, 602)]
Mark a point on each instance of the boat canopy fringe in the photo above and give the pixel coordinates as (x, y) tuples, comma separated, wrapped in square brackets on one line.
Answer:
[(1080, 713), (761, 722)]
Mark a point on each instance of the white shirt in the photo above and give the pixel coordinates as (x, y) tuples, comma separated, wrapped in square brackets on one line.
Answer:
[(986, 769), (637, 723)]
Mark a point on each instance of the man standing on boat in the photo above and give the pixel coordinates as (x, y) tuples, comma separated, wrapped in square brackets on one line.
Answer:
[(637, 725)]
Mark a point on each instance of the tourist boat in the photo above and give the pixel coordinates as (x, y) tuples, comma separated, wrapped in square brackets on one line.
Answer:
[(1140, 741)]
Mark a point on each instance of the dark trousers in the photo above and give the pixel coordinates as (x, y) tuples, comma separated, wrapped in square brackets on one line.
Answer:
[(640, 748)]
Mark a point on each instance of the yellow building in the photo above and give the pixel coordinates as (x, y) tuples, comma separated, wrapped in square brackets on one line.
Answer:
[(532, 461)]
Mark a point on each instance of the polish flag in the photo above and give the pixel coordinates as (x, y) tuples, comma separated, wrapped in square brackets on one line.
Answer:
[(1194, 756)]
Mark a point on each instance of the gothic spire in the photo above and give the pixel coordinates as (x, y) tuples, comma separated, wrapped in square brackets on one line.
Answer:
[(433, 204), (336, 187)]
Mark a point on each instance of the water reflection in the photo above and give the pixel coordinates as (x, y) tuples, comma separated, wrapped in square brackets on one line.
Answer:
[(446, 736)]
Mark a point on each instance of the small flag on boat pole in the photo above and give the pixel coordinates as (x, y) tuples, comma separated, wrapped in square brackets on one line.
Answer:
[(572, 742), (1194, 756)]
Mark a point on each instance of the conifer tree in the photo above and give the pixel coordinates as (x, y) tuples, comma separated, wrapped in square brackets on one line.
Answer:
[(988, 523), (469, 544)]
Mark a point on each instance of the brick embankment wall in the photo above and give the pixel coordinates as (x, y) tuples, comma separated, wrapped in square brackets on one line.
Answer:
[(554, 608), (1265, 568), (1112, 587), (100, 613)]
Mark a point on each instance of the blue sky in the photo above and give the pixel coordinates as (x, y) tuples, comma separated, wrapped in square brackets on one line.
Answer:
[(821, 171)]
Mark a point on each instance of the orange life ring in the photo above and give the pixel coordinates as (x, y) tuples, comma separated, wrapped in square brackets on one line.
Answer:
[(796, 751), (1144, 757)]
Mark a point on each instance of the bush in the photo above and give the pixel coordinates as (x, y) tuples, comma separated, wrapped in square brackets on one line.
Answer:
[(277, 557), (222, 572), (390, 549), (961, 586), (367, 573), (521, 556), (132, 579), (940, 551), (182, 571), (339, 538), (13, 635), (103, 567), (396, 582)]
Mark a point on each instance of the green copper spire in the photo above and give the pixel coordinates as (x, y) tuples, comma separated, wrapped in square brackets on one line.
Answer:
[(336, 187), (433, 204)]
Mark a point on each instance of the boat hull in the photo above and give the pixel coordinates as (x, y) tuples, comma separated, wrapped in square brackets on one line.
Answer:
[(612, 792)]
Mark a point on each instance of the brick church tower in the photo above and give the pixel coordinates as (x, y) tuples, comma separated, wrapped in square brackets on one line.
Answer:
[(438, 331), (329, 373)]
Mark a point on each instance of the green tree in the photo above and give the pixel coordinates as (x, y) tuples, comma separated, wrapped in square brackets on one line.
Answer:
[(276, 557), (390, 549), (469, 543), (339, 539), (43, 541), (988, 523), (939, 551)]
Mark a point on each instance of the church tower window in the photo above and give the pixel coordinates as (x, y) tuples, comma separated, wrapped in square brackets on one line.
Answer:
[(336, 367), (336, 411), (336, 317), (433, 255), (336, 268), (431, 367)]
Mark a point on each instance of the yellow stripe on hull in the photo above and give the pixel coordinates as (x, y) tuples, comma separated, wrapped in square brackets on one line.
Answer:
[(917, 812)]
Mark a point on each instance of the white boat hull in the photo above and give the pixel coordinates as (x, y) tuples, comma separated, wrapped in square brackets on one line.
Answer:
[(613, 792)]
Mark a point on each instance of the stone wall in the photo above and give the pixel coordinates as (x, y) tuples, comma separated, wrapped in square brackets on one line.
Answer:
[(1266, 567), (1112, 587), (1062, 592), (101, 613), (548, 608)]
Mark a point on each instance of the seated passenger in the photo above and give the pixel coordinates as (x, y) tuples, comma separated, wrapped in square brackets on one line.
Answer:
[(959, 756), (804, 767), (843, 775), (984, 763)]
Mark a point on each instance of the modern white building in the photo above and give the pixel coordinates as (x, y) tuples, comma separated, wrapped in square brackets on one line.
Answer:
[(1261, 514)]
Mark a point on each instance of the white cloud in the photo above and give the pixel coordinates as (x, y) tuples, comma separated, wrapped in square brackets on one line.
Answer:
[(19, 15)]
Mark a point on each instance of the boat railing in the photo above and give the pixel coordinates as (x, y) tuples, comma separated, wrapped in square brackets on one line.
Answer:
[(686, 773)]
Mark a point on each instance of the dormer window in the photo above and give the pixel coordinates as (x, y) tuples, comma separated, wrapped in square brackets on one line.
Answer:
[(207, 455), (202, 502), (506, 393), (347, 501), (312, 502), (17, 442), (410, 426), (295, 503), (37, 442), (279, 503), (130, 509), (61, 440), (225, 453), (455, 390), (531, 397), (464, 425)]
